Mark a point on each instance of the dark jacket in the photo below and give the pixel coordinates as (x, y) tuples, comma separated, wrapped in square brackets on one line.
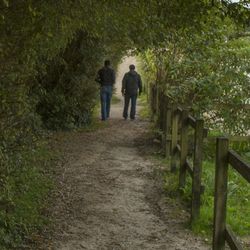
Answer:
[(131, 83), (106, 76)]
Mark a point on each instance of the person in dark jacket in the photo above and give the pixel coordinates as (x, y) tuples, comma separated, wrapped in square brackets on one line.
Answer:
[(131, 84), (106, 78)]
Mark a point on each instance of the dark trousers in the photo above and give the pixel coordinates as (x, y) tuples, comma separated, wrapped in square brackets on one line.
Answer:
[(105, 95), (127, 99)]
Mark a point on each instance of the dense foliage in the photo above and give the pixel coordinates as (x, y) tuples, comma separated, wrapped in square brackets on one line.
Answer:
[(206, 70), (50, 52)]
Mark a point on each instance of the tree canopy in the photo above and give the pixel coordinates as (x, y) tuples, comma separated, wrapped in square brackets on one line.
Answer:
[(50, 52)]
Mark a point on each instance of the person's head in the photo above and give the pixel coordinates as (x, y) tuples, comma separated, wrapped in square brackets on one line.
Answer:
[(132, 67), (107, 63)]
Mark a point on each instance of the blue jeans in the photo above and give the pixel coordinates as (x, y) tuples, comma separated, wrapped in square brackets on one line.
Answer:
[(127, 99), (105, 95)]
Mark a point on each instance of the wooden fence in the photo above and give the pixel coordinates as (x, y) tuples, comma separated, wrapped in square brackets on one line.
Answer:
[(175, 122), (224, 156)]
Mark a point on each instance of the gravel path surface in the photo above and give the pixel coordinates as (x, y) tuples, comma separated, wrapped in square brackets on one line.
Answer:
[(110, 192)]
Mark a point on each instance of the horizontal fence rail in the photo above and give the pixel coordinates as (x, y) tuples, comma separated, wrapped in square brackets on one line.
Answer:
[(238, 164)]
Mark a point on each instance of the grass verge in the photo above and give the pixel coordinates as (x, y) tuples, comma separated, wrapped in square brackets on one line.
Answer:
[(238, 204)]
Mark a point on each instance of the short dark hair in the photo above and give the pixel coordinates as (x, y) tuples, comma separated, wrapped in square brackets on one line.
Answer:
[(132, 67), (107, 62)]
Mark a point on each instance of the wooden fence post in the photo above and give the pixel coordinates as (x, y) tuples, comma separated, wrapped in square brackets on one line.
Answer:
[(220, 198), (153, 101), (152, 98), (164, 131), (168, 128), (197, 169), (174, 139), (184, 148), (158, 106), (161, 113)]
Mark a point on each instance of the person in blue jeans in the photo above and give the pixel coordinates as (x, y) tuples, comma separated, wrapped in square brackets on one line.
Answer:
[(131, 85), (106, 78)]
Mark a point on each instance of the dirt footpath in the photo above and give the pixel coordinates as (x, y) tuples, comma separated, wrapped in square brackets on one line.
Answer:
[(111, 196)]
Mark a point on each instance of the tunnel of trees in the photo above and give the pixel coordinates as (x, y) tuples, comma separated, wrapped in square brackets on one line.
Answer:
[(197, 51)]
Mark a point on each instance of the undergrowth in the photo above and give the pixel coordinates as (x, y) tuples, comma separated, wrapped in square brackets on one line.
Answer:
[(144, 103), (25, 192), (24, 197)]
